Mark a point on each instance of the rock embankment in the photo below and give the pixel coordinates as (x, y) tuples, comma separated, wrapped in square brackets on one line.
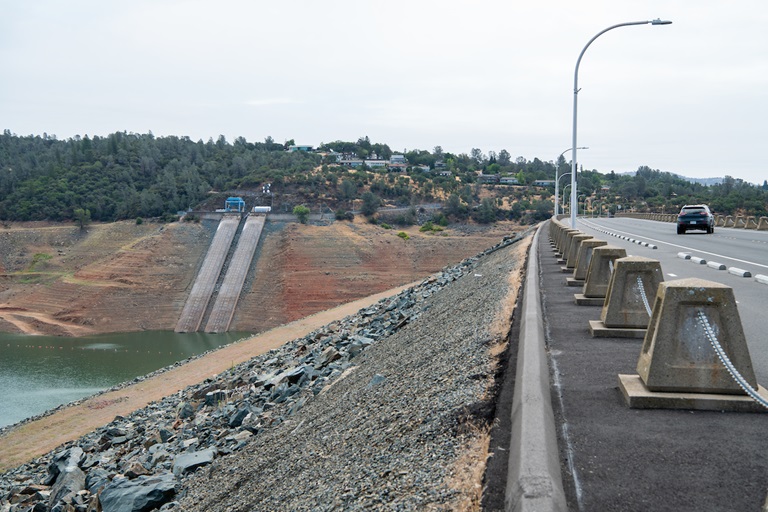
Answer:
[(383, 409)]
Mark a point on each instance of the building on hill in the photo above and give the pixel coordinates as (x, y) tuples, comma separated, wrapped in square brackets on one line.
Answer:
[(293, 149)]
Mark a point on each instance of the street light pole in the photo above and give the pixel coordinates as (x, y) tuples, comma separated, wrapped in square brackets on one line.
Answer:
[(657, 21), (557, 183)]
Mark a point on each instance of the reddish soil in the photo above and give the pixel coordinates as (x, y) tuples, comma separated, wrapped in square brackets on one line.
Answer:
[(121, 277)]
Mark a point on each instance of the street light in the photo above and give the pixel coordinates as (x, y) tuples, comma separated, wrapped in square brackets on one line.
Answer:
[(657, 21), (565, 187), (557, 193), (557, 196)]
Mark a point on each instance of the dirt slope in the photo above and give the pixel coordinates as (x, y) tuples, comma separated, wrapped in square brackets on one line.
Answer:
[(121, 277)]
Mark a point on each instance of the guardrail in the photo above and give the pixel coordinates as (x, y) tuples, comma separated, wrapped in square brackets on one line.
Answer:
[(724, 221)]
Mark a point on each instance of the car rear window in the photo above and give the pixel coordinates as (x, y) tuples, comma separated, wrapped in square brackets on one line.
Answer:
[(693, 210)]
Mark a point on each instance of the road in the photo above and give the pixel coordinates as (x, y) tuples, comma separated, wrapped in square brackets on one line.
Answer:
[(740, 248)]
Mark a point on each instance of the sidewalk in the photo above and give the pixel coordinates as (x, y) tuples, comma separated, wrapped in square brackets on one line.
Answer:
[(616, 458)]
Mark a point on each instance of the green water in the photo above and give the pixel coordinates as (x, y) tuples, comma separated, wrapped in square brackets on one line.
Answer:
[(38, 373)]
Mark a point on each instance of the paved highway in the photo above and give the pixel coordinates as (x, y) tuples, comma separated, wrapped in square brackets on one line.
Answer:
[(740, 248)]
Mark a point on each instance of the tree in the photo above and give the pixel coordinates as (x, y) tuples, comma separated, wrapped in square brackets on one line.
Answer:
[(504, 157), (302, 212), (371, 203), (82, 217)]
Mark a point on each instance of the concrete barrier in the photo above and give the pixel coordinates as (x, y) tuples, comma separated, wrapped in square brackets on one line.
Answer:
[(585, 256), (677, 367), (534, 478), (599, 275), (563, 240), (740, 222), (729, 222), (567, 240), (719, 220), (631, 291), (762, 225), (573, 251), (751, 223)]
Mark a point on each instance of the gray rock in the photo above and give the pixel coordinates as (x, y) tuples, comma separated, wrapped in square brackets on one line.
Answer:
[(69, 458), (96, 480), (239, 416), (189, 461), (139, 495), (70, 481)]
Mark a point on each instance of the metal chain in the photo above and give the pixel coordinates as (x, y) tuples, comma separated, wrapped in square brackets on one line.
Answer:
[(743, 384), (643, 296)]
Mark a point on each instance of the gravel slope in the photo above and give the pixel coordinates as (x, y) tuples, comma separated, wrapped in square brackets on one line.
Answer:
[(388, 434)]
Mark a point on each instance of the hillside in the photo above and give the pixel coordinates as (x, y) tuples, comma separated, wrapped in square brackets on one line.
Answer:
[(121, 277)]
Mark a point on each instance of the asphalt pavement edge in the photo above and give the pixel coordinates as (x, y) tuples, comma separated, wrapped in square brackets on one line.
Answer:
[(534, 479)]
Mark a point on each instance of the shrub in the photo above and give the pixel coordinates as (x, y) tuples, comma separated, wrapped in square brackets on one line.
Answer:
[(302, 212), (344, 215), (385, 225), (403, 235), (139, 221)]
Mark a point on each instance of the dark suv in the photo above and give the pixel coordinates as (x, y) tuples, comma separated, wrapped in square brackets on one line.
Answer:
[(695, 216)]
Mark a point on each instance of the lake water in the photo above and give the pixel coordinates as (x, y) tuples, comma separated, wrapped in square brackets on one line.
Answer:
[(38, 373)]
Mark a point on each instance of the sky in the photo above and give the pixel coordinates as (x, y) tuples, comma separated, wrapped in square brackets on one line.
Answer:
[(689, 98)]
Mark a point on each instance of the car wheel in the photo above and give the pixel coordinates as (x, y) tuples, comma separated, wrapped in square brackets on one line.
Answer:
[(680, 230)]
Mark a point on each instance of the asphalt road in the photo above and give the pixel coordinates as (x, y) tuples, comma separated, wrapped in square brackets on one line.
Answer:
[(744, 249), (617, 458)]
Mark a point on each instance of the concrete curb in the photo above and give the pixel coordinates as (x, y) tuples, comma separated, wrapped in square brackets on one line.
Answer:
[(534, 480)]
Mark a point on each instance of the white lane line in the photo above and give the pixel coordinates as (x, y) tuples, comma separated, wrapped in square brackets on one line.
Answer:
[(699, 250)]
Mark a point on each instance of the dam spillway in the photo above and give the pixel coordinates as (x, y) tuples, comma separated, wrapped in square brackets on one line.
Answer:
[(231, 288), (197, 302)]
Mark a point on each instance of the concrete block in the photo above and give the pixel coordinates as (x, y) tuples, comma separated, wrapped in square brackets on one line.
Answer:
[(760, 278), (573, 251), (677, 355), (585, 256), (729, 222), (638, 396), (600, 269), (751, 223), (563, 238), (715, 265), (633, 278), (762, 224), (598, 330), (740, 222), (568, 240), (582, 300), (571, 281)]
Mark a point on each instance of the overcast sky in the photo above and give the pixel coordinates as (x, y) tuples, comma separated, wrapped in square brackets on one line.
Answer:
[(690, 98)]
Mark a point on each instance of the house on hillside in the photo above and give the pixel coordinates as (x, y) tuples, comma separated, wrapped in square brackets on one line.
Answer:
[(397, 163), (293, 149), (544, 183), (375, 163), (488, 178), (508, 180)]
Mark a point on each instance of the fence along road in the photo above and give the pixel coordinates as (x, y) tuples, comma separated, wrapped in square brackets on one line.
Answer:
[(229, 293), (192, 314)]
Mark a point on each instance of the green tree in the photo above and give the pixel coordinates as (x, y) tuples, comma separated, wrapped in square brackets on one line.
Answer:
[(82, 217), (302, 212), (371, 203)]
